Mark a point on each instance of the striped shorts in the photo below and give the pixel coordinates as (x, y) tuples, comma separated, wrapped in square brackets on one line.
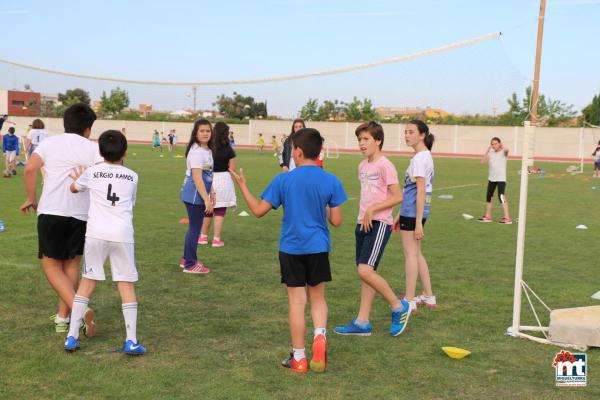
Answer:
[(370, 245)]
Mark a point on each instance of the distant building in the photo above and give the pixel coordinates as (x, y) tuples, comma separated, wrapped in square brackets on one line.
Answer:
[(211, 114), (391, 112), (145, 109), (20, 103), (51, 97), (180, 113)]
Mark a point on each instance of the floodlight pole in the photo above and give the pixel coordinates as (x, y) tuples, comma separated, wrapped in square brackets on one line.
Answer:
[(526, 160)]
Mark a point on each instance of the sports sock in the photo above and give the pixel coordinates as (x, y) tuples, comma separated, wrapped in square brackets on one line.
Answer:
[(398, 309), (299, 354), (80, 304), (361, 323), (320, 331), (130, 316), (216, 238)]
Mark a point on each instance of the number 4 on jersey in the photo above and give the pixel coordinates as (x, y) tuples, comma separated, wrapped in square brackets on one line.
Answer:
[(112, 197)]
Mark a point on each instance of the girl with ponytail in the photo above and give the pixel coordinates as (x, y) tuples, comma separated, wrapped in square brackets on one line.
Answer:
[(415, 211)]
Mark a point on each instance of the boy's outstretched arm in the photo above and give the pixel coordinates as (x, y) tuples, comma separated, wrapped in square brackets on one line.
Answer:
[(257, 207), (335, 216)]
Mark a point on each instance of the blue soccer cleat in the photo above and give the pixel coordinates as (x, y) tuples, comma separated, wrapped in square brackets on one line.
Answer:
[(353, 329), (400, 319), (134, 349), (71, 344)]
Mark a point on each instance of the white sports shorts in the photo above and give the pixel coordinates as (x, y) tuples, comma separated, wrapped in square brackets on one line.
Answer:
[(11, 155), (120, 255)]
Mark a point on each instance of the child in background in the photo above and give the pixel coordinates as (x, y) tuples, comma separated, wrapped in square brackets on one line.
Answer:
[(224, 161), (109, 236), (596, 155), (275, 146), (196, 192), (418, 186), (260, 143), (286, 161), (36, 135), (305, 193), (496, 156), (10, 148), (232, 140), (379, 193), (156, 141), (171, 137)]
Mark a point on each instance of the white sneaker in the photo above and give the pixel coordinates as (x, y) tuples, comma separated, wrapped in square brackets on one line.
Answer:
[(427, 301), (413, 303)]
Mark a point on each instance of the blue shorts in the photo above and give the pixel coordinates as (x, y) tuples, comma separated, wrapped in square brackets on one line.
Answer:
[(370, 245)]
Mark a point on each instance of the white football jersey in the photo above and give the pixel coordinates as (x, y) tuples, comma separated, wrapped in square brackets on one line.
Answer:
[(112, 191)]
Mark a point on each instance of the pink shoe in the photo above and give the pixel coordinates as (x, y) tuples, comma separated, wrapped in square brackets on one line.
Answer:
[(197, 268), (427, 301), (203, 240), (182, 263), (506, 221), (217, 243), (485, 219)]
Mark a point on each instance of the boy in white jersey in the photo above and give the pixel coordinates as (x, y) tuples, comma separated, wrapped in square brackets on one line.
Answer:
[(379, 193), (496, 156), (109, 235)]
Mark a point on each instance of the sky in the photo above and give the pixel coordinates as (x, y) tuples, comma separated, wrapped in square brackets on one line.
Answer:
[(227, 40)]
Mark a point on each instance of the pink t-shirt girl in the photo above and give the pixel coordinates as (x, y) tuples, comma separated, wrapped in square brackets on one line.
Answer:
[(375, 177)]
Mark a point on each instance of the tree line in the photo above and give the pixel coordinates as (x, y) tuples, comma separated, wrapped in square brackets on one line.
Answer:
[(239, 108)]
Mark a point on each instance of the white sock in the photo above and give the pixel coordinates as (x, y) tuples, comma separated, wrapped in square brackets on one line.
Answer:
[(320, 331), (202, 235), (299, 354), (80, 304), (217, 238), (130, 316)]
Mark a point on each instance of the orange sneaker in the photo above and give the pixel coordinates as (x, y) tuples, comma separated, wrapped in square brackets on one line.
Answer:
[(319, 354), (300, 367)]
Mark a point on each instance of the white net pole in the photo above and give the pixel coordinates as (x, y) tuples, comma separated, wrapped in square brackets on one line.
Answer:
[(526, 160)]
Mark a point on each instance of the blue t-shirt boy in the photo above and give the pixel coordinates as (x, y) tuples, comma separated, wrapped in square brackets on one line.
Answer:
[(304, 194)]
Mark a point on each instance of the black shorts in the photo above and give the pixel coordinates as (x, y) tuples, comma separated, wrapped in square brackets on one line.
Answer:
[(299, 270), (370, 245), (596, 165), (409, 223), (61, 238), (492, 188)]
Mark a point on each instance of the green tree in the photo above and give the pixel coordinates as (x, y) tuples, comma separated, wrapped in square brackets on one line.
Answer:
[(591, 112), (71, 97), (74, 96), (115, 102), (331, 109), (241, 107), (358, 110), (309, 111), (550, 111)]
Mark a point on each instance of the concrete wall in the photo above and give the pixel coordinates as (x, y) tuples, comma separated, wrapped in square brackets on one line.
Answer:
[(550, 143)]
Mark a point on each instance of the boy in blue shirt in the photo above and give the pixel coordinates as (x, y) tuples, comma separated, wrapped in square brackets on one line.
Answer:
[(10, 148), (305, 193)]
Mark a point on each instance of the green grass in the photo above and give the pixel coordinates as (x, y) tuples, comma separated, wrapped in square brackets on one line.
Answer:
[(222, 336)]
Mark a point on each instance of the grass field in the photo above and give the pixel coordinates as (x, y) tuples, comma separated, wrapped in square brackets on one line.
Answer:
[(222, 336)]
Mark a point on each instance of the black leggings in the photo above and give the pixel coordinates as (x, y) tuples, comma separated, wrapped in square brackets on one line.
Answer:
[(492, 188)]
